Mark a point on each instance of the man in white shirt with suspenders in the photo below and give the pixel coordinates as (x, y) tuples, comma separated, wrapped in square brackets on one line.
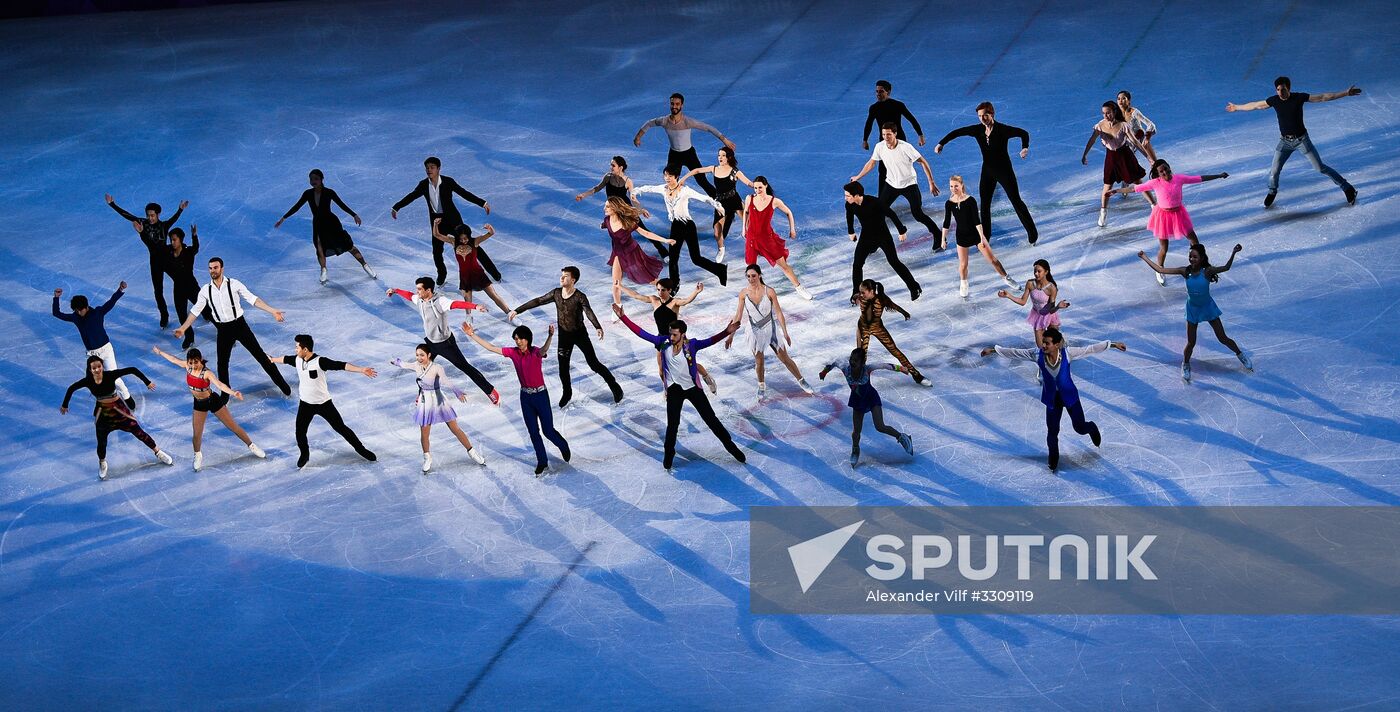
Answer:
[(221, 296), (315, 395)]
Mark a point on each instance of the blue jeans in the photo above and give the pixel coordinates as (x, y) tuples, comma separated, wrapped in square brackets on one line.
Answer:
[(1286, 147), (538, 417)]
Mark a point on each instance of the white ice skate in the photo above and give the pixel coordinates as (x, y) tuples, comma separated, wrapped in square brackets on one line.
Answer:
[(1010, 283), (369, 271), (805, 386), (102, 470), (325, 276), (719, 257), (198, 461), (906, 441), (1103, 217), (427, 462), (257, 451), (762, 390), (165, 458), (802, 292), (962, 289), (709, 381), (1247, 361), (1186, 372), (1161, 280), (475, 454)]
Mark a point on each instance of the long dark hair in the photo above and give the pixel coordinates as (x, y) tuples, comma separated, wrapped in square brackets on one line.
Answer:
[(758, 270), (1049, 276), (876, 287), (729, 156), (857, 364), (1118, 117), (764, 181), (462, 235), (1200, 250)]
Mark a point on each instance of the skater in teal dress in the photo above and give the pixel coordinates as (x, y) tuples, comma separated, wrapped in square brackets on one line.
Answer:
[(1199, 304)]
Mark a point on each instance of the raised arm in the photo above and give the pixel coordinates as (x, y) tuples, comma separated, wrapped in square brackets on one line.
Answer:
[(699, 287), (639, 331), (176, 217), (1160, 269), (58, 313), (483, 343), (112, 300), (119, 210), (1228, 263), (544, 350), (168, 357), (437, 233), (407, 295)]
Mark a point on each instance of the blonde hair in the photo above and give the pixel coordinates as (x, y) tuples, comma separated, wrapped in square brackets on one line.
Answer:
[(629, 214), (955, 178)]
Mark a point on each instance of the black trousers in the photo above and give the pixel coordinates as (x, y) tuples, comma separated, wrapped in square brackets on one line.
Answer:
[(438, 245), (987, 187), (307, 411), (237, 332), (866, 246), (916, 204), (677, 397), (449, 350), (567, 341), (676, 160), (186, 293), (1052, 426), (683, 232), (158, 286)]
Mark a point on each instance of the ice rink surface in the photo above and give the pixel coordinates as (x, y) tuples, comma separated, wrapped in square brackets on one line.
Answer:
[(608, 584)]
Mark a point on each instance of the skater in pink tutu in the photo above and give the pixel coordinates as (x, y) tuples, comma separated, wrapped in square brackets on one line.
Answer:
[(1169, 220), (1041, 291), (432, 407), (621, 219)]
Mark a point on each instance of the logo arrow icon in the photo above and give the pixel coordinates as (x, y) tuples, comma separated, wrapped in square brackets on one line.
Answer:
[(810, 558)]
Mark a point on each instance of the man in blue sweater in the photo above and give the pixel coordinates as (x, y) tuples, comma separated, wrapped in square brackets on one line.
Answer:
[(89, 321)]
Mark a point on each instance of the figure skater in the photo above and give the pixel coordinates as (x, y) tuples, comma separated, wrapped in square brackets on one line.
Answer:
[(534, 395), (683, 233), (1142, 127), (328, 236), (666, 309), (1199, 304), (1294, 135), (91, 323), (1169, 220), (466, 248), (437, 333), (1057, 389), (865, 399), (726, 192), (221, 297), (437, 190), (617, 184), (681, 381), (314, 396), (678, 128), (206, 401), (899, 158), (186, 286), (994, 139), (431, 406), (111, 411), (1041, 291), (887, 111), (874, 235), (1119, 164), (154, 235), (621, 218), (570, 307), (759, 236), (759, 308), (873, 302), (962, 208)]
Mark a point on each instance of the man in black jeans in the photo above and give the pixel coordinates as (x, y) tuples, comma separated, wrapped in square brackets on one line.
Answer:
[(437, 190), (993, 139), (154, 235), (570, 306), (874, 235)]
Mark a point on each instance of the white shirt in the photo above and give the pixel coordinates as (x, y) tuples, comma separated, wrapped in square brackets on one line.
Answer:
[(1067, 353), (899, 163), (1139, 122), (223, 300), (434, 198), (678, 369), (311, 380), (434, 312), (678, 206)]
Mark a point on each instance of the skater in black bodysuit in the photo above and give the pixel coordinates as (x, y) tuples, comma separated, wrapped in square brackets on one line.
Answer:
[(186, 286), (437, 190), (993, 139), (153, 233), (874, 235), (328, 236)]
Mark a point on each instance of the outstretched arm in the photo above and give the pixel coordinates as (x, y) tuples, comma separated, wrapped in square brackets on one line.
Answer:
[(1018, 354), (955, 133), (694, 171), (637, 140), (168, 357), (1160, 269), (1247, 106), (437, 233), (221, 385), (863, 170), (624, 289), (471, 331), (699, 287), (648, 234), (639, 331), (1352, 90), (1098, 348), (336, 197), (57, 312), (1021, 300), (293, 211), (469, 196)]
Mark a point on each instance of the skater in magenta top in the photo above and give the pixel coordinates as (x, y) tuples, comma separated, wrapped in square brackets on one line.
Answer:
[(1169, 220)]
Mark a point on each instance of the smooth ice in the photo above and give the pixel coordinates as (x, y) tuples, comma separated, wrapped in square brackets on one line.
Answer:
[(609, 584)]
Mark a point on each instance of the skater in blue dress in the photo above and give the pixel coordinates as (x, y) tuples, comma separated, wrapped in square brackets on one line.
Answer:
[(865, 399), (1199, 304)]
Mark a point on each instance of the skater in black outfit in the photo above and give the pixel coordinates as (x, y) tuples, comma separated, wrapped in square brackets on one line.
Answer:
[(888, 111), (437, 190), (617, 184), (678, 128), (111, 411), (993, 139), (186, 287), (153, 234), (315, 396), (327, 234), (221, 296), (874, 235), (570, 307)]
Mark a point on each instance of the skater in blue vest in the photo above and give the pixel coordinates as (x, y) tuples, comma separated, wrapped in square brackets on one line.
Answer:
[(1057, 389)]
